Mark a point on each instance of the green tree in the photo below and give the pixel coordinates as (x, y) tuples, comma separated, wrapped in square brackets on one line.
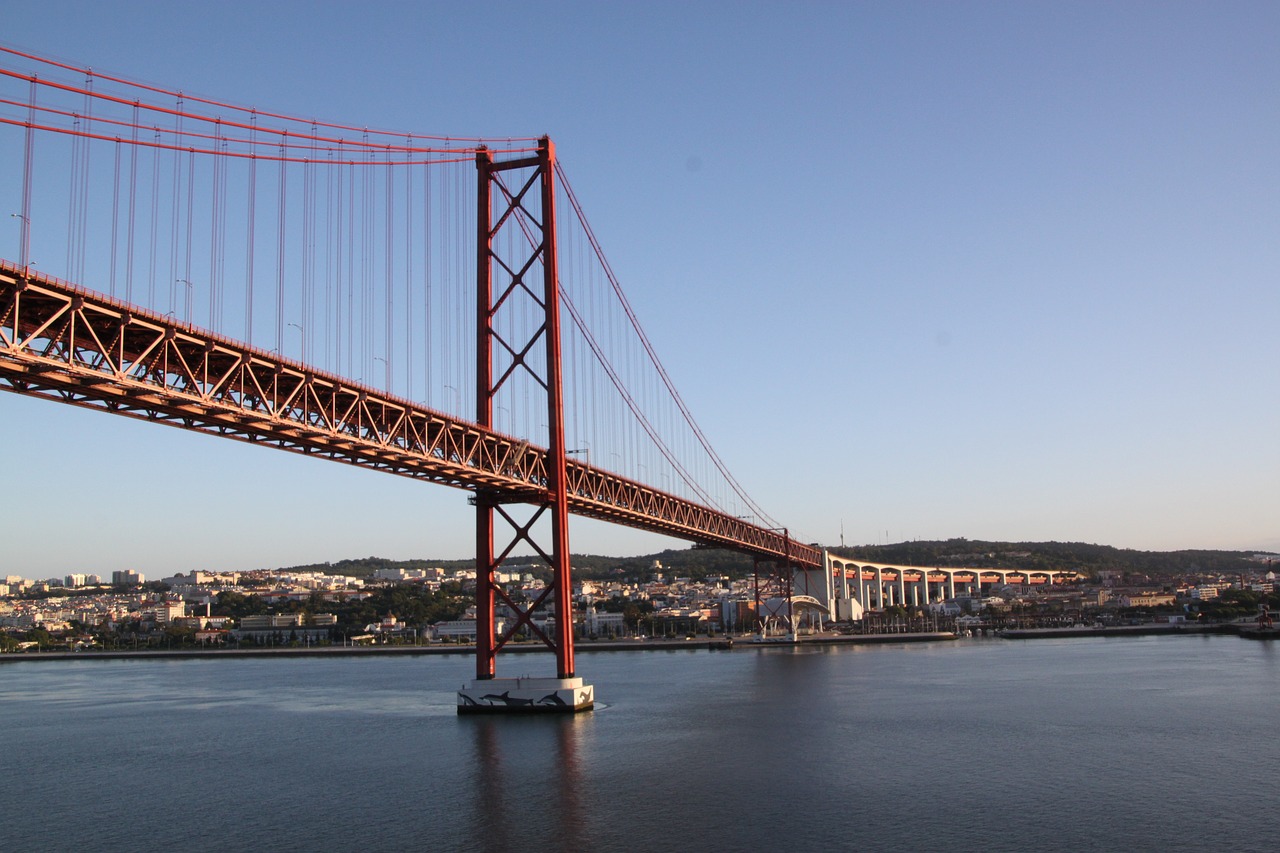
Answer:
[(237, 605)]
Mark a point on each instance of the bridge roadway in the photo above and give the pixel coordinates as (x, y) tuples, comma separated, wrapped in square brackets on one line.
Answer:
[(73, 345)]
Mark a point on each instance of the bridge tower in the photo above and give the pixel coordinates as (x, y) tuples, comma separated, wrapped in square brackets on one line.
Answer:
[(516, 274)]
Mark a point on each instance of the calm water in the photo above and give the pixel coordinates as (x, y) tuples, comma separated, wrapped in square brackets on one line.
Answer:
[(984, 745)]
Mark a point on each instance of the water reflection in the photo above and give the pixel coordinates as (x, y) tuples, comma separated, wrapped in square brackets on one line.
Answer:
[(529, 781)]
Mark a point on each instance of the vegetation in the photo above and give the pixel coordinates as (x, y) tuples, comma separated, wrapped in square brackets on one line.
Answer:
[(410, 603), (365, 567), (1232, 604), (417, 605), (699, 563), (1082, 557), (696, 563)]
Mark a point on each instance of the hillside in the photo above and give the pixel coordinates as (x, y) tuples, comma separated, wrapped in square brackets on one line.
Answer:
[(697, 563), (1078, 556)]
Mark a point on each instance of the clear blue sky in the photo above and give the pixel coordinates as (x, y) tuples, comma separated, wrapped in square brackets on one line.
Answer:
[(994, 270)]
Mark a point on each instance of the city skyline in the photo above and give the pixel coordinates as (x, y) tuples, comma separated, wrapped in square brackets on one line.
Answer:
[(999, 272)]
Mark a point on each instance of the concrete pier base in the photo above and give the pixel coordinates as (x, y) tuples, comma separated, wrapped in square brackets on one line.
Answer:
[(526, 696)]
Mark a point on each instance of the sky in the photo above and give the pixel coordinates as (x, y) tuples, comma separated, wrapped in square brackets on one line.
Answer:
[(921, 270)]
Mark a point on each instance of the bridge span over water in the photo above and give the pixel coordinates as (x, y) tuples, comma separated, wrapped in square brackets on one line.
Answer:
[(394, 301)]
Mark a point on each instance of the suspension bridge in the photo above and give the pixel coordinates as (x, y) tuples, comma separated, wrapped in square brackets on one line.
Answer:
[(402, 302), (432, 307)]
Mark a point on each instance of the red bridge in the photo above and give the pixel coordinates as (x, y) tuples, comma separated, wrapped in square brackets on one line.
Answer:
[(228, 271)]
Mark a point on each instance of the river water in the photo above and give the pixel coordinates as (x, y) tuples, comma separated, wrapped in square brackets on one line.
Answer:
[(1138, 743)]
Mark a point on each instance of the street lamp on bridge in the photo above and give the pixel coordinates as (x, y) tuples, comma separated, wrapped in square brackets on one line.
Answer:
[(303, 334), (25, 239), (189, 287)]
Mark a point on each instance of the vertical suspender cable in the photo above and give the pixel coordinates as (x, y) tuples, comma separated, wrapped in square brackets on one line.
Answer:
[(408, 271), (78, 224), (339, 278), (460, 289), (310, 298), (190, 243), (215, 284), (224, 178), (351, 266), (133, 195), (251, 211), (330, 322), (174, 217), (115, 218), (366, 261), (73, 196), (28, 153), (280, 212), (83, 225), (155, 220), (388, 352), (308, 258), (428, 332), (447, 284)]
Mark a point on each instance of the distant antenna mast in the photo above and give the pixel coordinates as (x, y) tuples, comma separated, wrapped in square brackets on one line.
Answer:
[(842, 533)]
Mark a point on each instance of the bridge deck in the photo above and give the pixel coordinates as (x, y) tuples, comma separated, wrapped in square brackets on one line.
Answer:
[(76, 346)]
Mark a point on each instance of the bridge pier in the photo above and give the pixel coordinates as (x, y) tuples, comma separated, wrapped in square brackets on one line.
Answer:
[(526, 696), (498, 281)]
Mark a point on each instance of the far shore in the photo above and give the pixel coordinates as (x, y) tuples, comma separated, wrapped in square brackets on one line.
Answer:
[(720, 644), (580, 647)]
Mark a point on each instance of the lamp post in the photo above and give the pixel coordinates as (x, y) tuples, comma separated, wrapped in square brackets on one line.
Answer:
[(303, 334), (190, 287), (25, 259), (586, 452)]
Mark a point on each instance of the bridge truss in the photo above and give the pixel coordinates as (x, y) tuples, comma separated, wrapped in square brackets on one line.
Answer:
[(70, 344)]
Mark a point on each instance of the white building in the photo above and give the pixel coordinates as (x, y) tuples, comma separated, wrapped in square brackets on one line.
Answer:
[(599, 624)]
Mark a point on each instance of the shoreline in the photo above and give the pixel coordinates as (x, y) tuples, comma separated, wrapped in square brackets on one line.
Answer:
[(585, 647), (1154, 628), (719, 644)]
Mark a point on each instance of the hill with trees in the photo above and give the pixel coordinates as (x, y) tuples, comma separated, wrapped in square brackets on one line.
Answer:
[(698, 563), (1086, 558)]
